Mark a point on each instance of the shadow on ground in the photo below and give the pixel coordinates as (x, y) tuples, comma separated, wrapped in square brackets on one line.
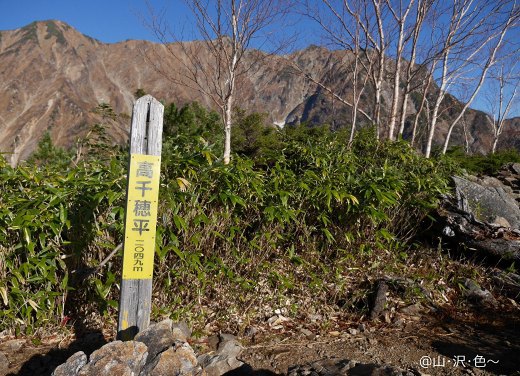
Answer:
[(491, 346), (45, 364)]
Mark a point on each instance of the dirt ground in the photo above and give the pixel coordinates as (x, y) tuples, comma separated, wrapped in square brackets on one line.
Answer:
[(472, 342), (436, 345)]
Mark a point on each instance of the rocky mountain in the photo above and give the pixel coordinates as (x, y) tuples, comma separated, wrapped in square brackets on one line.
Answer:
[(52, 77)]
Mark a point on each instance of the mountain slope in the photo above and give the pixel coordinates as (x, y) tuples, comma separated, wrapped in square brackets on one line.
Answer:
[(52, 76)]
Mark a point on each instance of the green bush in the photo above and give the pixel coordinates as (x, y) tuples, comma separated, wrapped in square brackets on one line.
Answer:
[(54, 222), (483, 164), (47, 154), (277, 224)]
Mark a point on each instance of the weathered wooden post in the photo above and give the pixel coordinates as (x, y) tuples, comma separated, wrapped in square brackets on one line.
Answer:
[(141, 217)]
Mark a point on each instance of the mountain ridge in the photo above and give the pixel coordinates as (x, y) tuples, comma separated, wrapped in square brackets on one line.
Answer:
[(52, 77)]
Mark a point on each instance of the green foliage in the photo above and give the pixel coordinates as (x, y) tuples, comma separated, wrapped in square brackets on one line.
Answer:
[(47, 218), (139, 93), (288, 217), (482, 164), (47, 155), (191, 121), (254, 138), (105, 110)]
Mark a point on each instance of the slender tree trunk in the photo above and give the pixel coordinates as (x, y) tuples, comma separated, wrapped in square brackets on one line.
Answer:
[(378, 82), (355, 98), (227, 130), (422, 9), (438, 101), (404, 108), (431, 133), (489, 63), (231, 84), (495, 142), (354, 120), (424, 100), (395, 99), (466, 135), (401, 20), (377, 108)]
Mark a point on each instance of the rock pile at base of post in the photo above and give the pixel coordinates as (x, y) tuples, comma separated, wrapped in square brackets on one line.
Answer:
[(160, 350)]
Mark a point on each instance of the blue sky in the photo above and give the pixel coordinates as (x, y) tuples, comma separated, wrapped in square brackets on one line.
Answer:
[(113, 21), (109, 21)]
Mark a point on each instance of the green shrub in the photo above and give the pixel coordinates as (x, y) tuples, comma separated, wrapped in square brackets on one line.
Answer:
[(249, 233), (53, 222), (482, 164), (47, 154)]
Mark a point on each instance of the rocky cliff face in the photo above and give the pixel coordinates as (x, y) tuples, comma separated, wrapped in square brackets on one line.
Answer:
[(52, 76)]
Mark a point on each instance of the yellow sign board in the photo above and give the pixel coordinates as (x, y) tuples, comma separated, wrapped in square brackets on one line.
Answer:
[(141, 216)]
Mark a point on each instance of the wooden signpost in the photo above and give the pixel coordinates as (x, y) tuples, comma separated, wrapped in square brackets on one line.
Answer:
[(141, 217)]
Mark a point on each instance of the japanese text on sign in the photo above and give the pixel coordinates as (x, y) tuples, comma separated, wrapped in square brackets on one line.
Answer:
[(141, 216)]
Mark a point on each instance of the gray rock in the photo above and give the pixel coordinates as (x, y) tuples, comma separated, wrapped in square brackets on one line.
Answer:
[(229, 346), (486, 203), (157, 337), (72, 366), (181, 331), (515, 167), (224, 343), (478, 294), (117, 359), (218, 364), (178, 360), (308, 334), (501, 221)]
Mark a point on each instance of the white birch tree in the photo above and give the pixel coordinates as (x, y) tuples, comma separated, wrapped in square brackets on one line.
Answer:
[(400, 16), (495, 41), (473, 26), (501, 97), (214, 66), (412, 71), (341, 25)]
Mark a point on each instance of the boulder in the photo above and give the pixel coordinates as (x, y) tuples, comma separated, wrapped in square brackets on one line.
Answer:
[(179, 360), (478, 295), (157, 337), (486, 202), (72, 366), (160, 350), (225, 358), (483, 217), (117, 359), (218, 364)]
